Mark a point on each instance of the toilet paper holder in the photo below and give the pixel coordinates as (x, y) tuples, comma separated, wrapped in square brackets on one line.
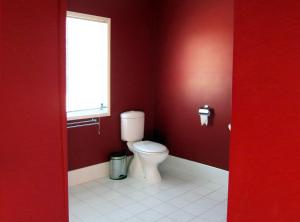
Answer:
[(204, 113)]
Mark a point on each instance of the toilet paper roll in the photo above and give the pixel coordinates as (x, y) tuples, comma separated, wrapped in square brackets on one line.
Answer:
[(204, 120)]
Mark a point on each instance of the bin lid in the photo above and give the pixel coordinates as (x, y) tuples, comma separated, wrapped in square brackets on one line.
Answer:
[(118, 155)]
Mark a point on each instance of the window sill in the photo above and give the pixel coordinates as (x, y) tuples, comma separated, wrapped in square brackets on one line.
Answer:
[(87, 114)]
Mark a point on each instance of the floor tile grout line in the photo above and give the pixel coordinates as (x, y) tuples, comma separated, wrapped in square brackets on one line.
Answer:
[(205, 210)]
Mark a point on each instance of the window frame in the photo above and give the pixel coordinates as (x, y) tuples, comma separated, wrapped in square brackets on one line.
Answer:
[(89, 17)]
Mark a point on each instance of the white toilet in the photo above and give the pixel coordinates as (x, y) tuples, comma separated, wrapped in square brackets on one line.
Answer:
[(147, 154)]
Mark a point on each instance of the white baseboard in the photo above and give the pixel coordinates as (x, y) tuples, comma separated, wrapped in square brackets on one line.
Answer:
[(194, 169), (186, 167), (89, 173)]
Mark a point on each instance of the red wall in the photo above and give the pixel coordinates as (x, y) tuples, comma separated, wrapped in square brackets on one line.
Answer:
[(265, 154), (132, 82), (32, 152), (195, 68)]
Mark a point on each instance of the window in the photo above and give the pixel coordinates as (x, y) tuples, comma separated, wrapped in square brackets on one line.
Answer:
[(88, 66)]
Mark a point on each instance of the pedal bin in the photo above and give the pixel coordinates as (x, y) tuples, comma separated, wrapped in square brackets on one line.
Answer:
[(118, 166)]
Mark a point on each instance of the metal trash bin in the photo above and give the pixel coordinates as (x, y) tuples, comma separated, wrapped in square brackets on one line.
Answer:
[(118, 166)]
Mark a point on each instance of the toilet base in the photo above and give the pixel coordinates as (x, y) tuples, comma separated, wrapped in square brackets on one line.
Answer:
[(150, 162), (135, 168), (152, 175)]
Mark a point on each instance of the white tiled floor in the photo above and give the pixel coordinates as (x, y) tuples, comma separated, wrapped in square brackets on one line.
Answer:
[(177, 198)]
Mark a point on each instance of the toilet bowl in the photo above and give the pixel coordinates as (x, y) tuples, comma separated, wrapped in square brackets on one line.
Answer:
[(147, 154), (150, 155)]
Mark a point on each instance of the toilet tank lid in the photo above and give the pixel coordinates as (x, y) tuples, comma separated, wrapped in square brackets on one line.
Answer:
[(149, 147), (132, 114)]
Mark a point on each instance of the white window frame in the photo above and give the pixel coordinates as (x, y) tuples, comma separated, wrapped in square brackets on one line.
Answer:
[(108, 105)]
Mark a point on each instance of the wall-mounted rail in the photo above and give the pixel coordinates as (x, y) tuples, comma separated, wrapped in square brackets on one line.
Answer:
[(82, 123)]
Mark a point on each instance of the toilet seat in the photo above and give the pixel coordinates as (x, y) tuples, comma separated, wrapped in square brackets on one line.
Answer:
[(149, 147)]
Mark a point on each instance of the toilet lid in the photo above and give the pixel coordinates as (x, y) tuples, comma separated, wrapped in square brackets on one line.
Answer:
[(149, 147)]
